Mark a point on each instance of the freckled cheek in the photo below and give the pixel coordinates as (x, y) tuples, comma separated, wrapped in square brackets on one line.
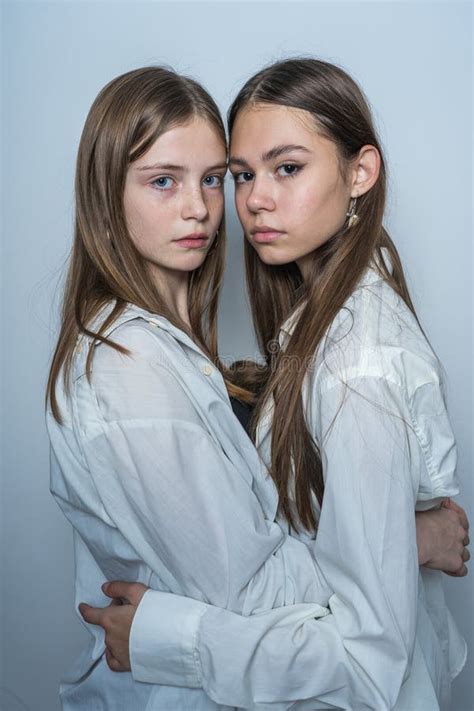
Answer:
[(136, 222), (241, 205), (150, 224), (215, 207)]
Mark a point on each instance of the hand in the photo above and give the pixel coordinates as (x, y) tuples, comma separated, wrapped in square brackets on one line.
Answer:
[(116, 620), (442, 536)]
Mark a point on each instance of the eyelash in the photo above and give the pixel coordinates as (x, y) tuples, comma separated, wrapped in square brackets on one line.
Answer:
[(154, 182), (290, 165), (297, 170)]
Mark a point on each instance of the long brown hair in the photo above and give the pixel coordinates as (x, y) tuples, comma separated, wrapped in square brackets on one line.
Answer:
[(126, 118), (340, 113)]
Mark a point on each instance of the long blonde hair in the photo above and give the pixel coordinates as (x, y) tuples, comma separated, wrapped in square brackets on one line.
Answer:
[(341, 114), (126, 118)]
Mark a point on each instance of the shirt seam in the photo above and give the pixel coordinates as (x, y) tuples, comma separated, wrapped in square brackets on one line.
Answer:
[(196, 646)]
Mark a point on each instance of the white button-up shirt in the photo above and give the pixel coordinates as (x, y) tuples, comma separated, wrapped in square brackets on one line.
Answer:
[(162, 485), (374, 402)]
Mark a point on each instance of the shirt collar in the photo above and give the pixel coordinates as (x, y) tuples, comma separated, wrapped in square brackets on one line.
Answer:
[(132, 312)]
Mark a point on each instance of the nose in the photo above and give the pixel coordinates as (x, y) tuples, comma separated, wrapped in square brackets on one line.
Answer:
[(260, 196), (194, 205)]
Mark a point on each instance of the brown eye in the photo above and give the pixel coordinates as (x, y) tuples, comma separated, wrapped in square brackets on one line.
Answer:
[(243, 177), (288, 169)]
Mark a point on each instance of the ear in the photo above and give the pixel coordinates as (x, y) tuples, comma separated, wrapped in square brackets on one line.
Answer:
[(365, 170)]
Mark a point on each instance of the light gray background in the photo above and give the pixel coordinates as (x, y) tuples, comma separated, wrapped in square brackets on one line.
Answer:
[(414, 62)]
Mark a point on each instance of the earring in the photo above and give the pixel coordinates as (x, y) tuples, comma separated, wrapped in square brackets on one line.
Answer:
[(351, 213)]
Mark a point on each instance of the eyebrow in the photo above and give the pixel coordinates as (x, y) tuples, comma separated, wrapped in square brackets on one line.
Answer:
[(172, 166), (273, 153)]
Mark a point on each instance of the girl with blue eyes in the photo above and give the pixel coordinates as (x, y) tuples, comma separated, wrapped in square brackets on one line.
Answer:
[(149, 463)]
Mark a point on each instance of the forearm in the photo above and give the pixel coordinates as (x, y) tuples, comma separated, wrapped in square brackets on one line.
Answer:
[(366, 552), (280, 657)]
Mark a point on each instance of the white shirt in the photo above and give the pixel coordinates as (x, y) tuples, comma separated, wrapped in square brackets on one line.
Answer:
[(162, 485), (375, 404)]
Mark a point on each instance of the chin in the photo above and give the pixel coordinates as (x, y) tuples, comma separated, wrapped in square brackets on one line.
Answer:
[(274, 257), (191, 261)]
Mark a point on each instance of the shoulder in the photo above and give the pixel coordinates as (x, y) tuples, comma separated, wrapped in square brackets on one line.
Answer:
[(133, 377), (132, 342), (376, 335), (134, 337), (378, 363)]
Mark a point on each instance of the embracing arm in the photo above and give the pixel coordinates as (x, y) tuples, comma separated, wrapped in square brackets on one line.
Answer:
[(367, 554), (442, 536), (361, 653), (183, 504)]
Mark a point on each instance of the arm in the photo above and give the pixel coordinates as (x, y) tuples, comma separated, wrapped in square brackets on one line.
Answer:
[(361, 653), (183, 505), (441, 534)]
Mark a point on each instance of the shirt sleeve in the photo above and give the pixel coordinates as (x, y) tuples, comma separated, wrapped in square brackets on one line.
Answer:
[(172, 492), (359, 655)]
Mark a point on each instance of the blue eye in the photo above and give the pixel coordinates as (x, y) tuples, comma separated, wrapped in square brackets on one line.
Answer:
[(213, 181), (288, 170), (244, 177), (163, 183)]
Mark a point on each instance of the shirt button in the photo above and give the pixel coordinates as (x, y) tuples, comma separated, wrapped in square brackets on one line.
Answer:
[(152, 323), (207, 370)]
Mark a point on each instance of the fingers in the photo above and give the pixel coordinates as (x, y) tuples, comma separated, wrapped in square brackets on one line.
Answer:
[(460, 519), (128, 592), (116, 602), (450, 504), (96, 615), (113, 663), (92, 615), (461, 573)]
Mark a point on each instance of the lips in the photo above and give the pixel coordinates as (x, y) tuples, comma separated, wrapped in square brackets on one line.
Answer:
[(265, 234), (195, 240)]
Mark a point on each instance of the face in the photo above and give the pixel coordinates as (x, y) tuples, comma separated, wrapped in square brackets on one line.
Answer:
[(290, 194), (174, 198)]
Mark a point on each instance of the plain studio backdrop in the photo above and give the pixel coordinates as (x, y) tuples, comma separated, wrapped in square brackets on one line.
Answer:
[(413, 61)]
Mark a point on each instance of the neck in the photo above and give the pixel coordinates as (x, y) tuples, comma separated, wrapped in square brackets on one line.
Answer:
[(305, 266), (173, 287)]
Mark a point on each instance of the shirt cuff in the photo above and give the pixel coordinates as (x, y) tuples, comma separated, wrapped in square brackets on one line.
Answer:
[(163, 640)]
